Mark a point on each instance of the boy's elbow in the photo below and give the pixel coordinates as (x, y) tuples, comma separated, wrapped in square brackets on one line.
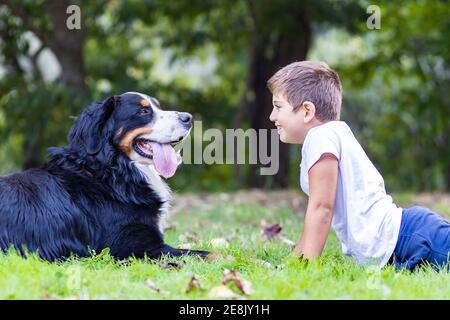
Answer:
[(324, 207), (324, 212)]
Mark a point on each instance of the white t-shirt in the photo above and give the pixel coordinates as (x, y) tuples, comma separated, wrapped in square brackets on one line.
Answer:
[(365, 219)]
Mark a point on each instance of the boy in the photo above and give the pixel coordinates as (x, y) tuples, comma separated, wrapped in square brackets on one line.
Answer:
[(345, 189)]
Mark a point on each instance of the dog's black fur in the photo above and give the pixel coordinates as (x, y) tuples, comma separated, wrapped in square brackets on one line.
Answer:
[(89, 195)]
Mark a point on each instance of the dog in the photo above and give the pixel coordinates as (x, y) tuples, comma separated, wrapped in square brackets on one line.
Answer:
[(103, 190)]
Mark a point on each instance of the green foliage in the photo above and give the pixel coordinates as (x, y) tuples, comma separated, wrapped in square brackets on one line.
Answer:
[(36, 113), (395, 79)]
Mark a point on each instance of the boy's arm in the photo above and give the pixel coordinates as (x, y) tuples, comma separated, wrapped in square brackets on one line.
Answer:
[(322, 177)]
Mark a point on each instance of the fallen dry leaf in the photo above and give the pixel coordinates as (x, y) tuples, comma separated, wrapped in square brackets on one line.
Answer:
[(223, 292), (228, 275), (194, 283), (270, 231), (243, 285), (210, 257), (213, 256), (264, 263), (219, 243), (170, 265), (262, 224), (149, 283), (189, 237), (286, 241)]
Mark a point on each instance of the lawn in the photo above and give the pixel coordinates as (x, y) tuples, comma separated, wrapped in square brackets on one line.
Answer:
[(255, 268)]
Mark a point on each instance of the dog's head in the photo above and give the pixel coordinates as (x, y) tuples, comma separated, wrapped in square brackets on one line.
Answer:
[(131, 125)]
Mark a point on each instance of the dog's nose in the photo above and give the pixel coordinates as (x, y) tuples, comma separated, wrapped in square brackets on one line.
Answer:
[(185, 117)]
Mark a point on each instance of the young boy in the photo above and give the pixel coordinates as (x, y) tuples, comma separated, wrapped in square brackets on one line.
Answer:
[(345, 189)]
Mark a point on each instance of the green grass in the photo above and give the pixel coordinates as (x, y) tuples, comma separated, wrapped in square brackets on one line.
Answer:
[(333, 276)]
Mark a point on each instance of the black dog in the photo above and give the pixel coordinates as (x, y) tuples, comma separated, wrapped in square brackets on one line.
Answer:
[(103, 190)]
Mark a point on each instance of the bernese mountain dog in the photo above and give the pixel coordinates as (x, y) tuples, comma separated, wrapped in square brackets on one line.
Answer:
[(103, 190)]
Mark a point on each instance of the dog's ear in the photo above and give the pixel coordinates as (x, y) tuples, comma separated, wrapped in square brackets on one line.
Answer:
[(93, 127)]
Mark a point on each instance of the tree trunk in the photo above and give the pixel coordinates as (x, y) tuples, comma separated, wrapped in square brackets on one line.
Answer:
[(67, 45), (270, 51), (448, 178)]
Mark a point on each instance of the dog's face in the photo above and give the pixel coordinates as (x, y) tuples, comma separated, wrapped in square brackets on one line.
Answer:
[(148, 134), (134, 124)]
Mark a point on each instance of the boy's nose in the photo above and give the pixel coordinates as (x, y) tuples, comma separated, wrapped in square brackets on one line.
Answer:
[(272, 116)]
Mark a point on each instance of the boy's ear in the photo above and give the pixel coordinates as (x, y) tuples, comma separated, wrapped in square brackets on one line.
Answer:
[(310, 110)]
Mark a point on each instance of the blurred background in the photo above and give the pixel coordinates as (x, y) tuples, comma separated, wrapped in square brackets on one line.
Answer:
[(213, 57)]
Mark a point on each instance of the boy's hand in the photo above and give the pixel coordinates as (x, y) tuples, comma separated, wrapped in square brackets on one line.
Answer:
[(322, 177), (298, 249)]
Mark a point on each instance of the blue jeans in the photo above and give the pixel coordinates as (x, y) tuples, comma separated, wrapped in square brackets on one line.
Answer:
[(424, 237)]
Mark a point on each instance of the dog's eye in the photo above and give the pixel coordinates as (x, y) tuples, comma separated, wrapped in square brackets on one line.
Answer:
[(144, 111)]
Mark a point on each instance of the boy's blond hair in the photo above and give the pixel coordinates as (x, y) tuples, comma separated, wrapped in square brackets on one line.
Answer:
[(312, 81)]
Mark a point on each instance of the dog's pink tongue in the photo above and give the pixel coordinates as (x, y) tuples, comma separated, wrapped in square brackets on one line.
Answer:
[(165, 159)]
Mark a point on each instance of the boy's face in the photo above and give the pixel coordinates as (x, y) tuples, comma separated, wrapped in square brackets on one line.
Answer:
[(290, 123)]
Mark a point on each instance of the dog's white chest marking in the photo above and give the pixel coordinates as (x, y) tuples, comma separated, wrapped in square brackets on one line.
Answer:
[(157, 184)]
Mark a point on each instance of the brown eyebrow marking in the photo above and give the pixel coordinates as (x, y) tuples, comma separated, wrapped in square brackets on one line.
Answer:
[(144, 103)]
